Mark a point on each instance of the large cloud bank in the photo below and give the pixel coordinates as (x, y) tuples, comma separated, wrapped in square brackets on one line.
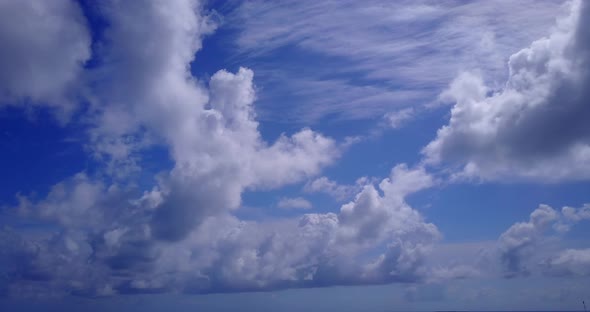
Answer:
[(112, 242), (104, 234)]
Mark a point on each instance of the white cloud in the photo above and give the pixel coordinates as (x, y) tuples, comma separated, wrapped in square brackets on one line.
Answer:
[(532, 248), (521, 246), (570, 262), (399, 118), (108, 236), (535, 126), (521, 239), (294, 203), (572, 214), (42, 58), (108, 245), (460, 271), (210, 131), (324, 249), (339, 192)]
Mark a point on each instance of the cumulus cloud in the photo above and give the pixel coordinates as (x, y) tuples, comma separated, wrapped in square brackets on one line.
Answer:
[(520, 247), (107, 244), (534, 247), (521, 239), (43, 58), (570, 262), (413, 180), (339, 192), (148, 94), (294, 203), (105, 234), (572, 214), (534, 127)]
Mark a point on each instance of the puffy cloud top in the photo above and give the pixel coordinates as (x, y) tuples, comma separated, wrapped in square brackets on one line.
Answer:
[(107, 236), (535, 126), (110, 243), (519, 245)]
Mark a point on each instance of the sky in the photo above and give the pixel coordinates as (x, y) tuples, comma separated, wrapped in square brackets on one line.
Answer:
[(294, 155)]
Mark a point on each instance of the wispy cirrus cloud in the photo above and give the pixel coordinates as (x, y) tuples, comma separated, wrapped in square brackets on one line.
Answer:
[(349, 46)]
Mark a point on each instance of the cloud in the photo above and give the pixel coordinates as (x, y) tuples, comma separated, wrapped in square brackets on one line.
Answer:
[(453, 261), (525, 249), (521, 239), (572, 214), (459, 271), (103, 234), (116, 232), (294, 203), (521, 246), (570, 262), (105, 243), (399, 118), (337, 191), (147, 97), (364, 67), (532, 128), (42, 59)]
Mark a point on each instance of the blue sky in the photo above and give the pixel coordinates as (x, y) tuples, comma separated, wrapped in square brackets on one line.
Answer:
[(280, 156)]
